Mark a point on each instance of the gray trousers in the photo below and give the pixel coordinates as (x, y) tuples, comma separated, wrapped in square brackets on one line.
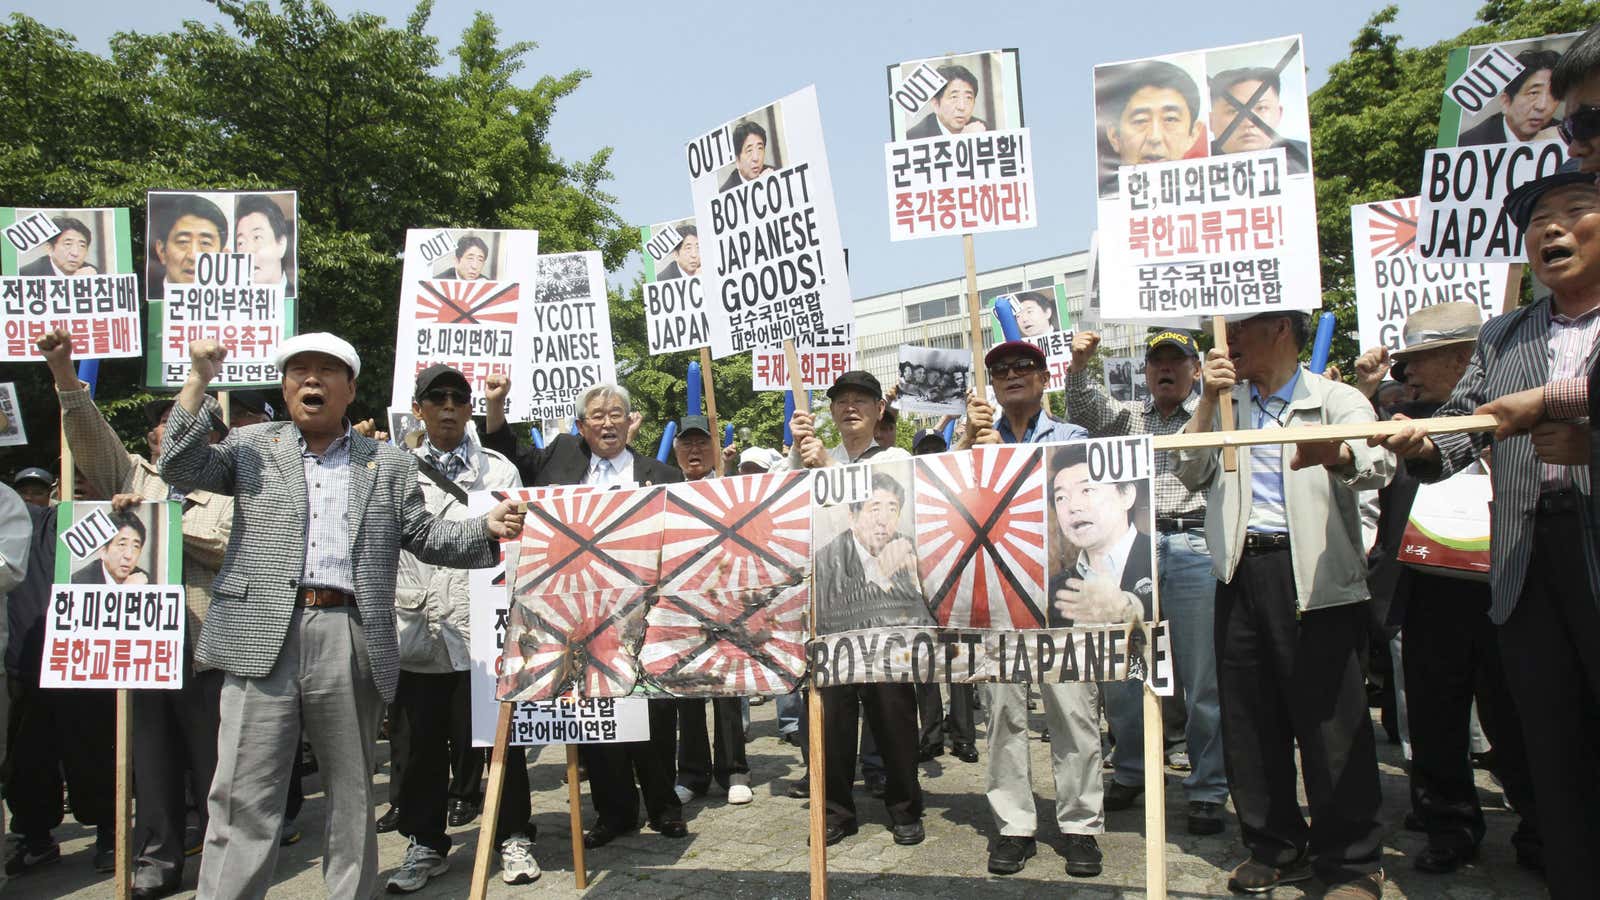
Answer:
[(322, 682), (1072, 714)]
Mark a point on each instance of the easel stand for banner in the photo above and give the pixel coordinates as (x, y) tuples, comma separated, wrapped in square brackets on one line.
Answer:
[(1219, 334), (817, 766), (491, 805)]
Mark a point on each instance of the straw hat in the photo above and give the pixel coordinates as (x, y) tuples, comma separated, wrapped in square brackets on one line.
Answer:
[(1440, 325)]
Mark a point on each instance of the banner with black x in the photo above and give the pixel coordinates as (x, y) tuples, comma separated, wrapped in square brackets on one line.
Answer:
[(741, 538), (729, 643), (585, 644), (595, 540), (942, 598), (1246, 109)]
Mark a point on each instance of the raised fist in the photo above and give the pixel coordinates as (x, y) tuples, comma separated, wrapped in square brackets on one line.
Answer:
[(55, 347), (495, 389), (207, 356)]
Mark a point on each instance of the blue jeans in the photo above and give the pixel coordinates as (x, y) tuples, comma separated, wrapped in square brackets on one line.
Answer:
[(1188, 602)]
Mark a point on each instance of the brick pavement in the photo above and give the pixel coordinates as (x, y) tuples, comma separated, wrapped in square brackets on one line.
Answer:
[(758, 852)]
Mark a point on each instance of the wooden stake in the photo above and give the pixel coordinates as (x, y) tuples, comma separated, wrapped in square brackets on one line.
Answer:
[(1155, 791), (1513, 295), (980, 374), (1219, 333), (1301, 434), (711, 405), (227, 414), (580, 871), (491, 804), (124, 862)]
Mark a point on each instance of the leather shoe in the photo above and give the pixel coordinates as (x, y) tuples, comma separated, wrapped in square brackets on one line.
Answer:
[(909, 833), (461, 812), (602, 834), (1204, 818), (966, 753), (799, 790), (836, 833), (1121, 796), (1011, 853), (877, 787), (929, 753), (1252, 877), (672, 829), (1083, 855), (390, 820), (1444, 859), (156, 891)]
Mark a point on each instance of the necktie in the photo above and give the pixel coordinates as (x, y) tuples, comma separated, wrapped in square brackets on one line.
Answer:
[(605, 475)]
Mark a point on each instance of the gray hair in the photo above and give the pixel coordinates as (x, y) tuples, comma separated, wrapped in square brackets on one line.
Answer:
[(602, 392)]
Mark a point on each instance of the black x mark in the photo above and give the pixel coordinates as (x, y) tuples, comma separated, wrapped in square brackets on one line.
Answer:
[(588, 545), (980, 540)]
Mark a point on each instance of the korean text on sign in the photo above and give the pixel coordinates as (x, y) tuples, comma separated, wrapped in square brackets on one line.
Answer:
[(114, 636), (101, 312), (960, 183), (588, 721)]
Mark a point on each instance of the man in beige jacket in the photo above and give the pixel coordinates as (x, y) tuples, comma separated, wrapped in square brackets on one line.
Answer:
[(1290, 560)]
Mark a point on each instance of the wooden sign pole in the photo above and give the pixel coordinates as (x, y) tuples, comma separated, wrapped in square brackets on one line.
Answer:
[(1219, 334), (580, 870), (1513, 295), (491, 805), (1307, 434), (817, 767), (711, 405), (1155, 790), (980, 373)]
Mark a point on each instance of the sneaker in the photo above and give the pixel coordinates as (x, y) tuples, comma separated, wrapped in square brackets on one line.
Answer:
[(1083, 855), (517, 865), (799, 790), (421, 863), (1178, 760), (29, 855), (1011, 853), (740, 794), (684, 794)]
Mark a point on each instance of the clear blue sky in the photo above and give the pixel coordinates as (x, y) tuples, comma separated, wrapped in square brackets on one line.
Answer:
[(665, 72)]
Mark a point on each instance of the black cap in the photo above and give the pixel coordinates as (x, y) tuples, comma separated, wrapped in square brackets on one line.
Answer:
[(34, 473), (933, 437), (694, 423), (1520, 202), (439, 375), (858, 380), (1025, 348), (1180, 339), (251, 401)]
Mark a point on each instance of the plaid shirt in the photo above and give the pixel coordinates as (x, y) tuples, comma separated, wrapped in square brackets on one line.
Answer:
[(112, 470), (1089, 405), (328, 526), (1567, 399)]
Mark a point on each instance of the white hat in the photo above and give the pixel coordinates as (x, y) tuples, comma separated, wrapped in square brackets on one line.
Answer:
[(761, 456), (318, 342)]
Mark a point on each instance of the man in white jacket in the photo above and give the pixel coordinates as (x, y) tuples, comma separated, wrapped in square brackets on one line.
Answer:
[(432, 702), (1289, 554)]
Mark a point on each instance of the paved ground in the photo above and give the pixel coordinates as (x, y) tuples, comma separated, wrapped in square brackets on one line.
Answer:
[(759, 851)]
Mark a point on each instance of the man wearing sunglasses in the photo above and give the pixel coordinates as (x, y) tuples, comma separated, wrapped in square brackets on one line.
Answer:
[(1019, 376), (431, 719)]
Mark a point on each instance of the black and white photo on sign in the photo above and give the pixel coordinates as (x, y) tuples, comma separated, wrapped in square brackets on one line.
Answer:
[(475, 256), (864, 552), (933, 380), (981, 91), (1519, 107), (12, 433), (405, 429), (81, 242), (1125, 378), (183, 225), (758, 142), (126, 545)]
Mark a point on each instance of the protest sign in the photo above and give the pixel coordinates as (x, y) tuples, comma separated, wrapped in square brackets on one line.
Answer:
[(969, 656), (1125, 378), (1207, 205), (863, 540), (1462, 215), (933, 380), (1044, 320), (1448, 529), (1500, 93), (12, 432), (674, 293), (566, 339), (775, 259), (746, 531), (118, 613), (222, 266), (567, 720), (464, 299), (71, 269), (824, 356), (959, 160), (1392, 281)]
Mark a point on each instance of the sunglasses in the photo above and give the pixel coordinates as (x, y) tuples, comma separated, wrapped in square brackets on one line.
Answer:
[(1018, 366), (441, 395), (1582, 124)]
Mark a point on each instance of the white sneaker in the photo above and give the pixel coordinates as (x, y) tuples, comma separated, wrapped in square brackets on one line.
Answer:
[(740, 794), (517, 865), (684, 794), (421, 863)]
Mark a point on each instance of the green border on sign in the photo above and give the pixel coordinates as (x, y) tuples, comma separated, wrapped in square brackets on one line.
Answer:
[(1449, 112), (649, 261), (169, 521), (1063, 315), (8, 253)]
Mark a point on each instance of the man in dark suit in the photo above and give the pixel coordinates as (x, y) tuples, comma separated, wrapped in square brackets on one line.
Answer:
[(1544, 571), (849, 597), (599, 455), (471, 255), (302, 611), (685, 256), (69, 251), (1527, 105), (750, 149), (952, 106), (118, 561)]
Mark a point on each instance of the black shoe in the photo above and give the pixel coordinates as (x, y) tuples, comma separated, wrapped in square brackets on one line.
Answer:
[(156, 892), (602, 834), (1444, 859), (105, 859), (1044, 735), (909, 833), (799, 790), (966, 753), (792, 738), (928, 753), (461, 812), (1083, 855), (1011, 853), (836, 833), (1252, 877), (1204, 818), (1121, 796), (1530, 856), (194, 840), (390, 820), (29, 855), (673, 828), (877, 787), (1414, 823)]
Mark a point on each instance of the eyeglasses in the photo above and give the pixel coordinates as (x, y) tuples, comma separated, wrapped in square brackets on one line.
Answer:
[(1017, 366), (440, 396), (600, 418), (1582, 124)]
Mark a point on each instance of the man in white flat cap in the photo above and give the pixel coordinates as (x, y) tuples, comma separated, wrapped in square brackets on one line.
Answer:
[(302, 611)]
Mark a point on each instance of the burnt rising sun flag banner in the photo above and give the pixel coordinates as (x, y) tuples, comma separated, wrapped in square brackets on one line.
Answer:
[(732, 643), (560, 643), (592, 541)]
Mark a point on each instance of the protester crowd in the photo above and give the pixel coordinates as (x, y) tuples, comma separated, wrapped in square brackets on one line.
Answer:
[(326, 587)]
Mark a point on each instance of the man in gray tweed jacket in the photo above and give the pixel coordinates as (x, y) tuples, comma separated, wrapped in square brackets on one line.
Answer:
[(302, 611)]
